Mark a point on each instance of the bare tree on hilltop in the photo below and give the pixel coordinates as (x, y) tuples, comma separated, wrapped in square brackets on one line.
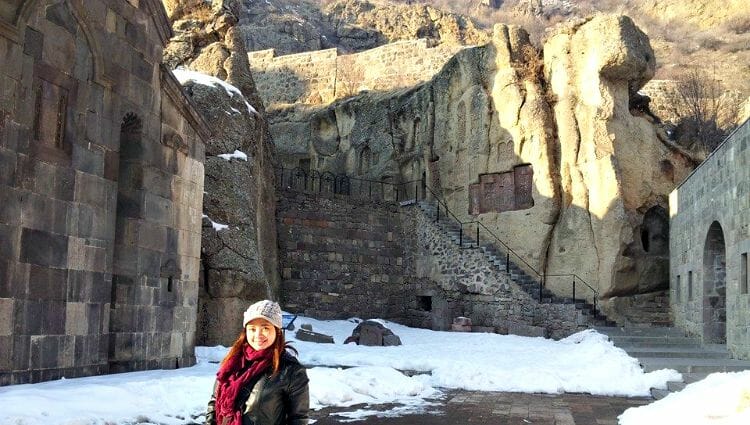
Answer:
[(706, 113)]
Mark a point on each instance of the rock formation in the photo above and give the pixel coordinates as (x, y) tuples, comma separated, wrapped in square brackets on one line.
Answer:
[(240, 261), (543, 148), (293, 26)]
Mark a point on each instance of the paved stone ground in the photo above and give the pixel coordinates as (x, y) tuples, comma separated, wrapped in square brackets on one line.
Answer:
[(500, 408)]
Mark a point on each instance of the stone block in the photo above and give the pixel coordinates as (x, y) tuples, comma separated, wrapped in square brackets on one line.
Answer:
[(149, 263), (7, 310), (125, 260), (526, 330), (91, 189), (9, 242), (43, 213), (47, 283), (75, 319), (311, 336), (21, 345), (10, 199), (66, 352), (6, 353), (103, 223), (391, 340), (7, 167), (88, 160), (33, 42), (80, 220), (8, 282), (111, 165), (43, 248), (158, 210), (152, 236)]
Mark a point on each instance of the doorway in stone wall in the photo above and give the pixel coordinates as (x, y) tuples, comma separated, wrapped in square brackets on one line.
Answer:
[(714, 286)]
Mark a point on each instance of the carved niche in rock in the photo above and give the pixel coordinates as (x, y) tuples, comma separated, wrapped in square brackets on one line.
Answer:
[(498, 192)]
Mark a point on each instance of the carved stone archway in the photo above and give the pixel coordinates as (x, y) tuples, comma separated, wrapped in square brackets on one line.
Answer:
[(714, 286)]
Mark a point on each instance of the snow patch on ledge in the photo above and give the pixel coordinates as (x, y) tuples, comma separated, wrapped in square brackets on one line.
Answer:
[(217, 226), (184, 76), (236, 154)]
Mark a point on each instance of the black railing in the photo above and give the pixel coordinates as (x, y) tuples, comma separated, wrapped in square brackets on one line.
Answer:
[(341, 184), (474, 227), (313, 181)]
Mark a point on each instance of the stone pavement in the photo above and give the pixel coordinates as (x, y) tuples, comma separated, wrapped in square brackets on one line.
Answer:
[(502, 408)]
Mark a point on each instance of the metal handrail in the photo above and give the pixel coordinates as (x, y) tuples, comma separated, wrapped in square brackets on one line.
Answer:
[(340, 184), (341, 180), (508, 249)]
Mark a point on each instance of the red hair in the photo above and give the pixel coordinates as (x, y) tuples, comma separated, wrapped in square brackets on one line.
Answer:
[(278, 347)]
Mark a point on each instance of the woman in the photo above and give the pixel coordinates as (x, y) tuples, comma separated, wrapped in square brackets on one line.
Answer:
[(259, 382)]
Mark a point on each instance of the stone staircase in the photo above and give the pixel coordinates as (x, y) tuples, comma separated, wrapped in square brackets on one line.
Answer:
[(644, 310), (669, 348), (496, 256)]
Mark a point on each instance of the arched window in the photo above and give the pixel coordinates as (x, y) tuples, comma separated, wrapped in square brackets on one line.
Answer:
[(364, 160)]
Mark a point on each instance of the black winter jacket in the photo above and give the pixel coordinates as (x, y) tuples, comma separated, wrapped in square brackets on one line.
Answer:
[(283, 399)]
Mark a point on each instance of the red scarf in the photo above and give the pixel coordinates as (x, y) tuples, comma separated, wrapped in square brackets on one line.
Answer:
[(234, 374)]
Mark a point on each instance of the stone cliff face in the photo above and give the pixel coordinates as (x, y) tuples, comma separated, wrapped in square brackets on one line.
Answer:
[(293, 26), (543, 148), (240, 262), (615, 172)]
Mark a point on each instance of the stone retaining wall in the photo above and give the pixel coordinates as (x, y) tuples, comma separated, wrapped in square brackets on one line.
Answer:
[(462, 282), (321, 77), (342, 257)]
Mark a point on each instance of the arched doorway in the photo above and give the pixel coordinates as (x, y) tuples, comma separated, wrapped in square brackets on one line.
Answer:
[(714, 286)]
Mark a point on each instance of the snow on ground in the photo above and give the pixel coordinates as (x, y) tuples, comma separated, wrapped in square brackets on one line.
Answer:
[(349, 375), (720, 399)]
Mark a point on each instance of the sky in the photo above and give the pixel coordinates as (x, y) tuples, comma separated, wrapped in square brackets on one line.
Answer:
[(365, 377)]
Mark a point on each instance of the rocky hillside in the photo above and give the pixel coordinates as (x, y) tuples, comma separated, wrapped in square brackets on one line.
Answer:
[(710, 34), (292, 26)]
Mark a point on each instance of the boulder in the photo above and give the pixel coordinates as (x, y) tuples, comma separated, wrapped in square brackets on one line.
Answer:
[(373, 333)]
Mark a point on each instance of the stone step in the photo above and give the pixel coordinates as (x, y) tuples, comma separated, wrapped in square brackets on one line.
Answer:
[(674, 386), (498, 258), (646, 332), (651, 340), (689, 378), (658, 394), (691, 365), (697, 352)]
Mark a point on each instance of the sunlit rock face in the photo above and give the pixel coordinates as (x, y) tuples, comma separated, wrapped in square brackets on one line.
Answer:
[(542, 147)]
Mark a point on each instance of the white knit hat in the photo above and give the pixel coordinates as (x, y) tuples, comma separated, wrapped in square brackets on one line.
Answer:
[(265, 309)]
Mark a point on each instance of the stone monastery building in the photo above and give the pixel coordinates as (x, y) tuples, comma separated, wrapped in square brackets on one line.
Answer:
[(709, 247), (101, 176)]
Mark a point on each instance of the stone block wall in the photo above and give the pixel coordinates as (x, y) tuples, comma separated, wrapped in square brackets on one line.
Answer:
[(308, 77), (321, 77), (462, 282), (99, 160), (664, 99), (342, 257), (709, 247)]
